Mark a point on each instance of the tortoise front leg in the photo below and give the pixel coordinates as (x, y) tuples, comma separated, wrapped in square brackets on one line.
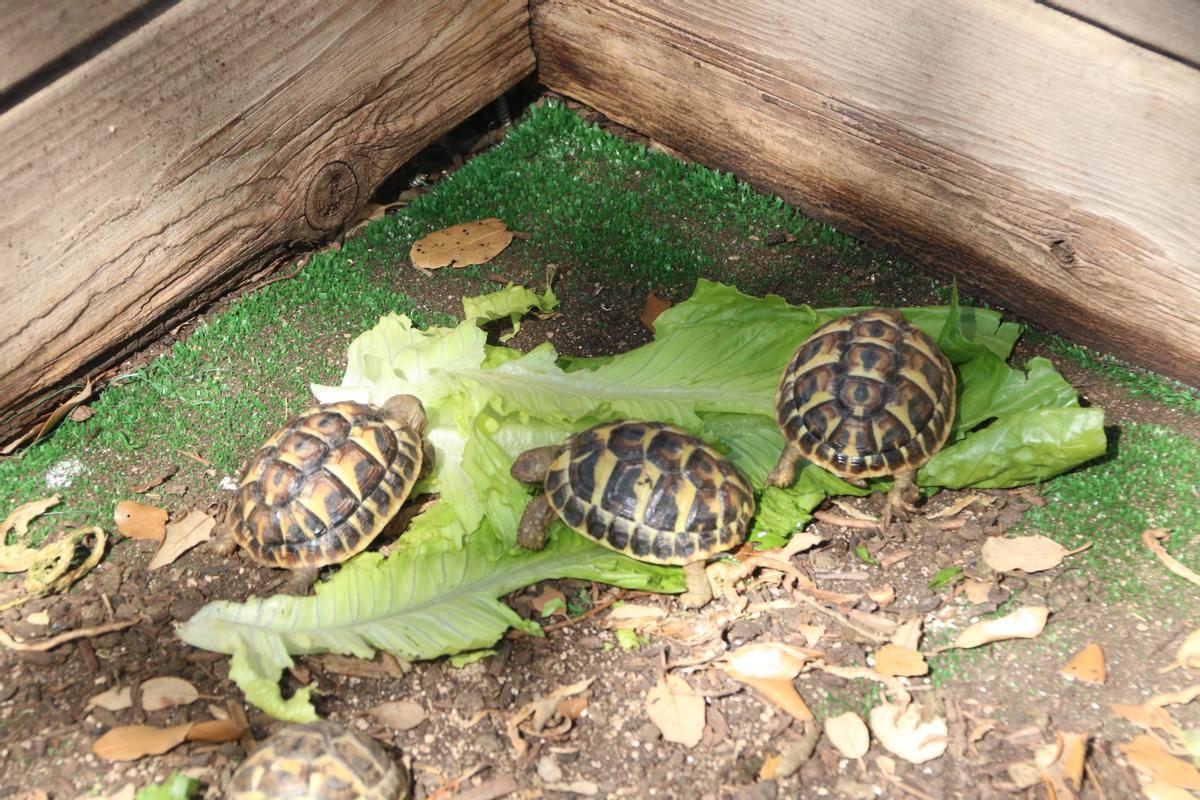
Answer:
[(900, 498), (301, 581), (699, 591), (784, 473), (531, 531)]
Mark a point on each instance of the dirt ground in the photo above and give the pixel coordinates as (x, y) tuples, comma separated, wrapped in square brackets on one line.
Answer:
[(749, 748)]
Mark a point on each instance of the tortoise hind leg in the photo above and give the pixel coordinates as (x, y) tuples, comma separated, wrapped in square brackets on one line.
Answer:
[(301, 581), (784, 473), (900, 498), (531, 531), (699, 591)]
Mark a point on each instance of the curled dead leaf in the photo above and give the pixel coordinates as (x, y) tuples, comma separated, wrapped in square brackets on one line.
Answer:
[(1153, 538), (139, 521), (1188, 654), (540, 712), (677, 710), (1087, 666), (400, 715), (196, 528), (17, 523), (884, 595), (654, 306), (1146, 716), (895, 660), (849, 734), (131, 742), (900, 729), (1024, 623), (1151, 756), (1026, 553), (461, 245)]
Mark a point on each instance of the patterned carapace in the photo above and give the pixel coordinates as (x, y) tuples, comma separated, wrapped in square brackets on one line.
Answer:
[(650, 490), (325, 485), (867, 394), (319, 761)]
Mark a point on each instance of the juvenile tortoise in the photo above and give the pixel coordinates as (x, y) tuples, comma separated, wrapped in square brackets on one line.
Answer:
[(646, 489), (327, 483), (866, 395), (319, 761)]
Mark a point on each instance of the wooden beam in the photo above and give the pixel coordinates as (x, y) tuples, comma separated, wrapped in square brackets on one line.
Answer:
[(209, 143), (34, 35), (1171, 27), (1042, 159)]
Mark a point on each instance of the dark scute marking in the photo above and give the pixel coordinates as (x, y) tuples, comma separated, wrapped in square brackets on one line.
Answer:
[(842, 436), (386, 442), (280, 482), (641, 542), (593, 525), (560, 496), (685, 544), (306, 448), (618, 534), (339, 503), (663, 508), (701, 469), (706, 540), (894, 458), (263, 523), (665, 451), (731, 502), (329, 424), (583, 473), (864, 439), (368, 520), (625, 441), (933, 373), (572, 513), (619, 497), (663, 546), (703, 515), (367, 471), (920, 410), (894, 435), (290, 528)]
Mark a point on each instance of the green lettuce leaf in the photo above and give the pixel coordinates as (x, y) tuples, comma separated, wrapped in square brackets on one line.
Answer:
[(421, 606), (177, 787), (512, 301)]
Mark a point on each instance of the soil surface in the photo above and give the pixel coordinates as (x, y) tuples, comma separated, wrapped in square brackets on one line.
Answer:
[(608, 747)]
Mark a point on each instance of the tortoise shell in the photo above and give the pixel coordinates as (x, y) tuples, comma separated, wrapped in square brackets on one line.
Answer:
[(325, 485), (318, 761), (867, 394), (651, 491)]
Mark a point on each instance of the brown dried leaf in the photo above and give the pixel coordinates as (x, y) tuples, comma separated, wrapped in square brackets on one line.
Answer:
[(18, 521), (1024, 623), (884, 595), (401, 715), (216, 731), (908, 633), (977, 592), (541, 711), (1062, 763), (572, 707), (55, 417), (131, 742), (1087, 666), (139, 521), (654, 306), (196, 528), (849, 734), (677, 710), (782, 692), (1146, 716), (1151, 756), (1153, 538), (1188, 654), (1026, 553), (766, 660), (461, 245), (896, 660), (1165, 791), (900, 729), (960, 505), (1179, 698), (633, 615), (167, 692), (812, 633), (115, 699), (547, 595)]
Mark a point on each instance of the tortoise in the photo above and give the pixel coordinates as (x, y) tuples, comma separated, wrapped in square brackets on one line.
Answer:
[(327, 483), (866, 395), (319, 761), (646, 489)]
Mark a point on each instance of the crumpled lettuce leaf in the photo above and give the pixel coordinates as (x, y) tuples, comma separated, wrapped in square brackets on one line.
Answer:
[(713, 369), (422, 605)]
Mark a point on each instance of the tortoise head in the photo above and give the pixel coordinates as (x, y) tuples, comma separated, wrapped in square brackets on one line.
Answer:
[(408, 410), (532, 465)]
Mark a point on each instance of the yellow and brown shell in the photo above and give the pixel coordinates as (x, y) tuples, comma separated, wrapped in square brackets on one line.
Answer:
[(651, 491), (867, 394), (319, 761), (325, 485)]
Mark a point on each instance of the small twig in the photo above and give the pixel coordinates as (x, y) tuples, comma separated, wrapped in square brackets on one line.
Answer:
[(195, 457), (953, 524), (591, 612), (845, 522), (1151, 537), (43, 645), (452, 785)]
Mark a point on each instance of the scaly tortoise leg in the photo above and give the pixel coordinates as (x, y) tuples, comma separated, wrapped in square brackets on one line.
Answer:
[(900, 498), (784, 474), (531, 531), (699, 592)]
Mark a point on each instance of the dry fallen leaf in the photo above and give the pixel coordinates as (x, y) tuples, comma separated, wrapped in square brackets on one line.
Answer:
[(56, 416), (977, 591), (884, 595), (1026, 553), (895, 660), (1154, 538), (770, 668), (401, 715), (633, 615), (1165, 791), (540, 712), (655, 305), (1024, 623), (849, 734), (960, 505), (551, 596), (1188, 654), (1087, 666), (461, 245), (901, 731), (677, 710), (167, 692), (1151, 756), (48, 567), (216, 731), (131, 742), (908, 633), (1062, 763), (196, 528), (1179, 698), (1146, 716), (812, 633), (139, 521), (18, 521)]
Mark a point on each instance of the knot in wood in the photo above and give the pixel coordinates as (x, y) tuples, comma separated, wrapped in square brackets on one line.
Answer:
[(1063, 252), (332, 196)]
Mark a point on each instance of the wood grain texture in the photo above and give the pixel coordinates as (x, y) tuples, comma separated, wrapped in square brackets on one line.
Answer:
[(1051, 163), (1172, 26), (33, 34), (211, 142)]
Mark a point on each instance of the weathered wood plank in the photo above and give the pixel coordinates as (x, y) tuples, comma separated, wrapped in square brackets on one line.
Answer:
[(1171, 26), (1050, 163), (33, 35), (209, 143)]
